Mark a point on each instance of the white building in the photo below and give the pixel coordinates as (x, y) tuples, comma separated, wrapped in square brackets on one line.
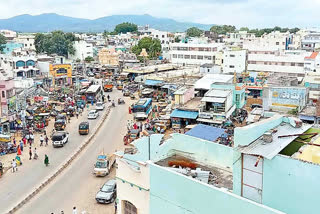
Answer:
[(274, 40), (311, 41), (273, 61), (9, 34), (194, 54), (82, 50), (210, 69), (27, 41), (239, 37), (234, 61), (19, 66)]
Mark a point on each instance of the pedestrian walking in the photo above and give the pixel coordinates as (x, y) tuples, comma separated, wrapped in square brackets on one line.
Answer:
[(35, 154), (77, 114), (31, 138), (46, 160), (14, 142), (115, 207), (24, 139), (46, 139), (41, 140), (30, 153), (21, 145), (14, 165), (74, 210), (18, 150)]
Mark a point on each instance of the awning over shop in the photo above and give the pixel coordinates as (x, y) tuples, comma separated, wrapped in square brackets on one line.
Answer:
[(153, 82), (209, 121), (177, 113), (213, 99), (205, 132)]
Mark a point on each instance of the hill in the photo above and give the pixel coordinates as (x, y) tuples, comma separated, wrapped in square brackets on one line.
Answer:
[(50, 21)]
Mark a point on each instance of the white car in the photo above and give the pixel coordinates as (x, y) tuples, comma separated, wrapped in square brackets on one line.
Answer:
[(93, 114), (99, 106), (60, 138)]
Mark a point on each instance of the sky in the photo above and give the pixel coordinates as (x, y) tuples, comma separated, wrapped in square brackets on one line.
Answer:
[(241, 13)]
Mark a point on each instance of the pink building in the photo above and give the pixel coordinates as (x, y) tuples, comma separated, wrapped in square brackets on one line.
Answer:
[(7, 97)]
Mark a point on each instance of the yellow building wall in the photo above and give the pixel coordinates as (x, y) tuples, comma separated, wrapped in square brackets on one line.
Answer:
[(54, 72), (107, 57)]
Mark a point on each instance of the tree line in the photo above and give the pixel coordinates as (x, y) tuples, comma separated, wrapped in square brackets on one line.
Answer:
[(224, 29)]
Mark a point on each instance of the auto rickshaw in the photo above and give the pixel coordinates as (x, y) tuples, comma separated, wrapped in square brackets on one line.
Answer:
[(61, 117), (126, 93), (120, 87), (84, 128), (132, 97), (60, 125)]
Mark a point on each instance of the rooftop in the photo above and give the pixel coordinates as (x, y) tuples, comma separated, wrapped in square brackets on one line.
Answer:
[(281, 136), (212, 175), (217, 93), (206, 81)]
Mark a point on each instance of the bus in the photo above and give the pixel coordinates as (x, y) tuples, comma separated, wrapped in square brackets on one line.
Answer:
[(142, 108), (94, 93)]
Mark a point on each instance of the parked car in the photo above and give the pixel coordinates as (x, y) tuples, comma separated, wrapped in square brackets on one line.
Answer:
[(99, 106), (107, 193), (90, 74), (59, 139), (93, 114)]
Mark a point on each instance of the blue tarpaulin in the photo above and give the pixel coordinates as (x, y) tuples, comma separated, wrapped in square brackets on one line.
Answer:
[(153, 82), (205, 132), (184, 114)]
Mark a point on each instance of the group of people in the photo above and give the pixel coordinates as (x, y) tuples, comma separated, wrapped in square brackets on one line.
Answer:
[(74, 211)]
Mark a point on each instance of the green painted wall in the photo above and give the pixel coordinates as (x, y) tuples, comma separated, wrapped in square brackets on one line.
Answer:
[(291, 185), (174, 193), (241, 93)]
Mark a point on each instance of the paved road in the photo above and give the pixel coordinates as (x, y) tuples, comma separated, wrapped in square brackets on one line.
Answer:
[(77, 186), (15, 186)]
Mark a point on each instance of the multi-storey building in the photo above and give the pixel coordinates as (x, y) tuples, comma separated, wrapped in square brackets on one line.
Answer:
[(27, 41), (238, 38), (9, 34), (310, 40), (19, 66), (234, 61), (263, 59), (82, 50), (194, 54), (7, 97)]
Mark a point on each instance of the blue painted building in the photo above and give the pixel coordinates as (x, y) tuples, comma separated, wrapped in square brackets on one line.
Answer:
[(9, 47)]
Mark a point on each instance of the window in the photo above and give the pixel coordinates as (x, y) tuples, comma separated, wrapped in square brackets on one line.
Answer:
[(187, 56), (174, 56), (193, 57), (3, 94), (162, 36), (207, 57), (180, 56), (277, 43), (232, 55), (231, 66), (292, 64), (200, 57)]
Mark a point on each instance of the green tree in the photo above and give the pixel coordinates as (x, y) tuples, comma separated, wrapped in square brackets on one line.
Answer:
[(223, 29), (3, 41), (89, 59), (294, 30), (194, 32), (152, 46), (244, 29), (177, 39), (56, 42), (125, 28)]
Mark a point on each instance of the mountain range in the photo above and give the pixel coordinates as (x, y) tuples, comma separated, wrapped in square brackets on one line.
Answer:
[(50, 21)]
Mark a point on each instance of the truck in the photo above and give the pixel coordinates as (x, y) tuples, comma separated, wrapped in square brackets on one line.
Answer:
[(104, 164), (107, 85)]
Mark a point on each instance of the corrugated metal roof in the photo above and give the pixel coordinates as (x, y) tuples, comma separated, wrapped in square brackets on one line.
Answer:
[(213, 99), (270, 150), (184, 114), (205, 132)]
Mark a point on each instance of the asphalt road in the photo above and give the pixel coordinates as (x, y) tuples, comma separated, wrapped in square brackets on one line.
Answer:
[(77, 186)]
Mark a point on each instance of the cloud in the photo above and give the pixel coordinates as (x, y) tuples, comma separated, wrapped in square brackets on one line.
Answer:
[(251, 13)]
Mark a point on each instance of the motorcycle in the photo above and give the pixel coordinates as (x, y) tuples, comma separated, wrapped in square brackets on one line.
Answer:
[(121, 101)]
